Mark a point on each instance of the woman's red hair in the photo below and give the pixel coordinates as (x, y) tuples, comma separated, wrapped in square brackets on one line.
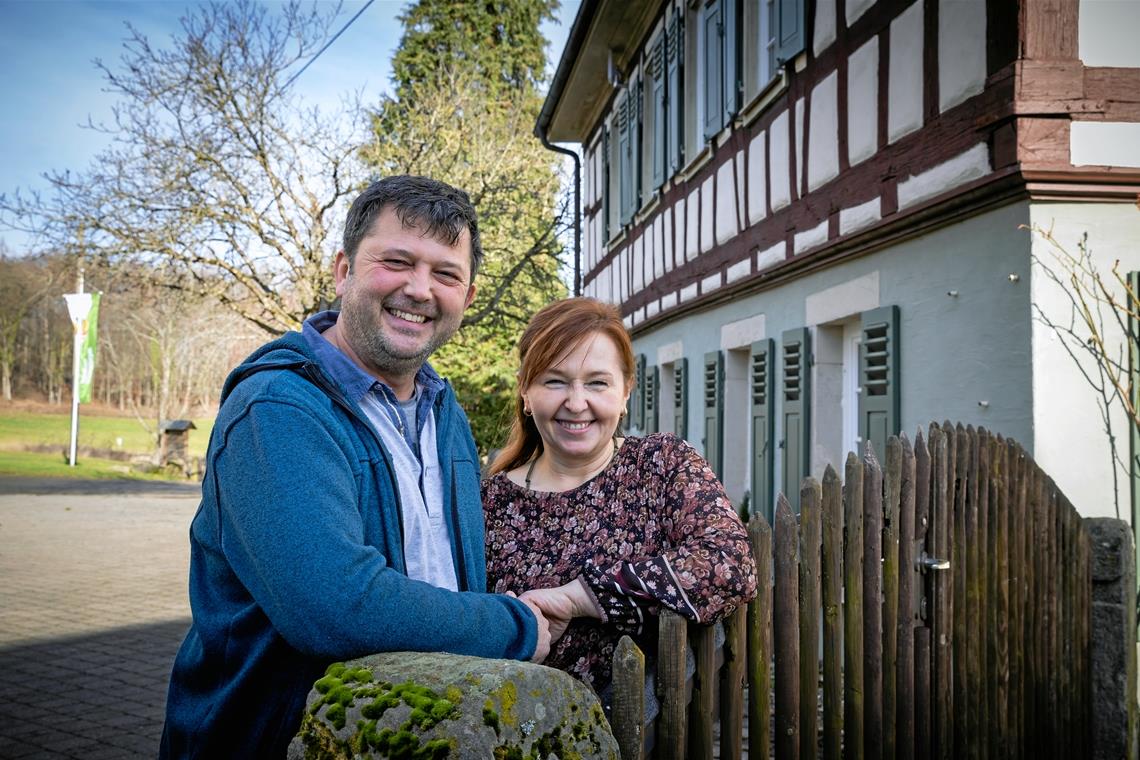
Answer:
[(553, 333)]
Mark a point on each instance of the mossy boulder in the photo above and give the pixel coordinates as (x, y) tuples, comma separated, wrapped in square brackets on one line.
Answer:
[(416, 706)]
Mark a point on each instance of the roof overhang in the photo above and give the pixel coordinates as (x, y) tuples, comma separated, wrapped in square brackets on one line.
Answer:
[(581, 88)]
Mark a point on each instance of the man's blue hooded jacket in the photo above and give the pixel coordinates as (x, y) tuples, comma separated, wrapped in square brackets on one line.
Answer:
[(297, 558)]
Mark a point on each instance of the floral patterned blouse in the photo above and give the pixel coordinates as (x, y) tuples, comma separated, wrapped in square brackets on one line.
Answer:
[(654, 529)]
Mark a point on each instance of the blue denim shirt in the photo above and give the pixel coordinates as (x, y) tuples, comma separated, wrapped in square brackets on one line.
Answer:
[(427, 542)]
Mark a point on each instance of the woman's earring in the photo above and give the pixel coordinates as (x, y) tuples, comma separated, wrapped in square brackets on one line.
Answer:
[(526, 411)]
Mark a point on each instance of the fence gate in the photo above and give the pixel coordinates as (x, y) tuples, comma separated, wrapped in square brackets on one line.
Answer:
[(950, 586)]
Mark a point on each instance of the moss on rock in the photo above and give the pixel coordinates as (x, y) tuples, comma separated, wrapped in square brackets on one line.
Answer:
[(417, 706)]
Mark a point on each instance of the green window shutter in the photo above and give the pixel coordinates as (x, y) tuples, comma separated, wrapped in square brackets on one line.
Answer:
[(796, 396), (789, 29), (712, 404), (652, 397), (625, 157), (636, 104), (761, 383), (605, 185), (879, 377), (681, 398), (674, 91), (656, 72), (712, 61), (730, 60)]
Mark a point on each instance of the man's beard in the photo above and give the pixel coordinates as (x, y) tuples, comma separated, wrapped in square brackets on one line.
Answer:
[(361, 322)]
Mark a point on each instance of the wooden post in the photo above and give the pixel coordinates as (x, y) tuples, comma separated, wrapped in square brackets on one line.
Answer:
[(853, 609), (924, 707), (811, 496), (672, 644), (832, 562), (1000, 610), (908, 578), (892, 486), (943, 443), (786, 623), (760, 643), (629, 698), (973, 696), (872, 603), (700, 746), (959, 566), (732, 685)]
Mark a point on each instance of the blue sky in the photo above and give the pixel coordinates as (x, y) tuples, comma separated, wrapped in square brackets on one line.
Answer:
[(50, 85)]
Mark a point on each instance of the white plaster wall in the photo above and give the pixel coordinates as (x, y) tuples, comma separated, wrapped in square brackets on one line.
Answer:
[(739, 270), (639, 264), (778, 157), (799, 131), (725, 203), (961, 51), (856, 8), (657, 226), (843, 300), (692, 219), (965, 167), (824, 35), (823, 142), (757, 195), (1069, 439), (667, 236), (810, 238), (904, 88), (740, 207), (771, 256), (1104, 143), (863, 102), (857, 217), (707, 214), (1106, 32)]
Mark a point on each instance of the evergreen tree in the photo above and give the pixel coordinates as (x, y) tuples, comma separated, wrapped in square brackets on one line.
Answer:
[(467, 93)]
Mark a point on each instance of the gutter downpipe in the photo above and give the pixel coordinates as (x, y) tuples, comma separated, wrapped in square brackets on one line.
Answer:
[(540, 131)]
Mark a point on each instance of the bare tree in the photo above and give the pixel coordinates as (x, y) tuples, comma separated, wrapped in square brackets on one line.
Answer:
[(24, 283), (1099, 305), (217, 178)]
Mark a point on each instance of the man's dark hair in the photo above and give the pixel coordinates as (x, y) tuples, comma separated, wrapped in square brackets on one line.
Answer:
[(440, 210)]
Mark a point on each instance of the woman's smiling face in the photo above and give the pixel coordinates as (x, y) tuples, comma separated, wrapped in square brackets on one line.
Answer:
[(577, 403)]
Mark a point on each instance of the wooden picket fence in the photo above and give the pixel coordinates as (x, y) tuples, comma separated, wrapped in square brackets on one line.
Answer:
[(937, 606)]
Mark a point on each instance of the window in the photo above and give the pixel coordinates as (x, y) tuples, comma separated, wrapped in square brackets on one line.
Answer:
[(720, 49), (760, 65), (735, 427), (652, 400)]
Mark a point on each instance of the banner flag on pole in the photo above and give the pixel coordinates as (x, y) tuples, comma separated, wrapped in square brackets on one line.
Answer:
[(83, 308), (87, 357)]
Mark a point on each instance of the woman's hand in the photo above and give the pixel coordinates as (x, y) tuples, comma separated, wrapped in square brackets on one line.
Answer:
[(562, 604)]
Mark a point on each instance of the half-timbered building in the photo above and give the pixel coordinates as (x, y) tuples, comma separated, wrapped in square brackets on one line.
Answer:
[(813, 214)]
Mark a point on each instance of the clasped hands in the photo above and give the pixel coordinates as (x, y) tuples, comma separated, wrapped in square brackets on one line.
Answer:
[(554, 608)]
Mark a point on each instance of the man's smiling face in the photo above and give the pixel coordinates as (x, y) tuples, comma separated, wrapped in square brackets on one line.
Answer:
[(403, 296)]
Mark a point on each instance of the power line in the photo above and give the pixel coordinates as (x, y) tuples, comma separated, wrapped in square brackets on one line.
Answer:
[(326, 45)]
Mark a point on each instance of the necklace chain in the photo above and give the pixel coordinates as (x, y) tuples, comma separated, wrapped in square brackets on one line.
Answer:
[(533, 462)]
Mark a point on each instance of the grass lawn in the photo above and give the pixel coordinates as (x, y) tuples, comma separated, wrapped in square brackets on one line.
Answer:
[(20, 429), (34, 464)]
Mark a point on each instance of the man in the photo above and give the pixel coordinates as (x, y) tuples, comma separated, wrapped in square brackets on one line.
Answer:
[(340, 510)]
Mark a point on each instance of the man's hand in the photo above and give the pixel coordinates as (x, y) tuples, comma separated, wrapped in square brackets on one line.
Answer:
[(562, 604), (542, 646)]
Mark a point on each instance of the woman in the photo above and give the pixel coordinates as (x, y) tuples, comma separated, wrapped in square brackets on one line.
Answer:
[(609, 530)]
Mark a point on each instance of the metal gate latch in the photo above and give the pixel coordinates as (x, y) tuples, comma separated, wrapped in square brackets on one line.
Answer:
[(926, 562)]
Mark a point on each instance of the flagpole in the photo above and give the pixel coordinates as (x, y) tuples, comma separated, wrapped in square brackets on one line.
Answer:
[(77, 348)]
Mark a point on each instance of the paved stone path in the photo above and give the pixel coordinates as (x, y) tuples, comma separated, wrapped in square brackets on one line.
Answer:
[(92, 610)]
